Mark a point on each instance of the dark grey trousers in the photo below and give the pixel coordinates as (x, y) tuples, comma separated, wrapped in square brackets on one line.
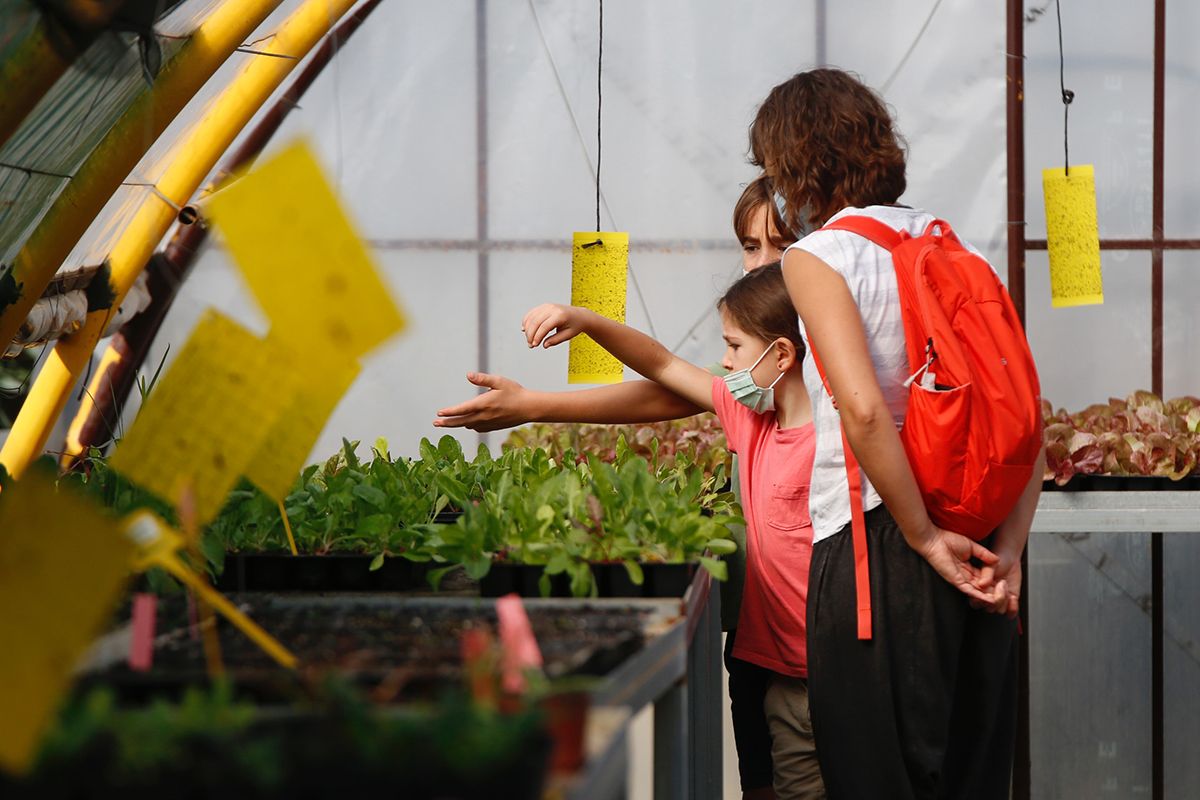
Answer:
[(925, 709)]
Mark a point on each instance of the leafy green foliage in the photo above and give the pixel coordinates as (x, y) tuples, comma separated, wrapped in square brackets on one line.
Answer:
[(210, 745), (113, 491), (526, 506), (698, 439), (587, 511)]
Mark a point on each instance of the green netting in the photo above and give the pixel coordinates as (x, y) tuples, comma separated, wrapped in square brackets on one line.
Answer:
[(20, 21), (68, 123)]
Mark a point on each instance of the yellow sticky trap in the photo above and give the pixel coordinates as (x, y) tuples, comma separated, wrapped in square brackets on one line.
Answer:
[(598, 274), (290, 440), (208, 415), (308, 269), (1072, 236), (62, 568)]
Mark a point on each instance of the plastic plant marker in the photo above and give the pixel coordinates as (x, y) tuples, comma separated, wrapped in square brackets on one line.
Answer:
[(159, 546), (517, 641), (478, 660), (598, 279), (141, 646), (287, 527), (205, 622), (1072, 236), (63, 566), (208, 415), (290, 440), (307, 267)]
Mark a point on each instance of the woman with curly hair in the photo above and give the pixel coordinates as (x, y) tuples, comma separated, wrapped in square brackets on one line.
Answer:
[(927, 707)]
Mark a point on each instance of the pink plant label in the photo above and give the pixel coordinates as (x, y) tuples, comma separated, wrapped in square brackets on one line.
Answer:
[(520, 648), (141, 647)]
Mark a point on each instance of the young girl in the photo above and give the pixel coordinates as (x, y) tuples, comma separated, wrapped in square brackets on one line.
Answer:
[(763, 236), (763, 405), (927, 707)]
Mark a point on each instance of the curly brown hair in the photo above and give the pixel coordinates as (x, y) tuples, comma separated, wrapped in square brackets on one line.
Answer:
[(760, 192), (828, 141)]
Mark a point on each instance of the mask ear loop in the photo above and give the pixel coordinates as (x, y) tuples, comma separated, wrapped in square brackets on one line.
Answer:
[(759, 361), (760, 358)]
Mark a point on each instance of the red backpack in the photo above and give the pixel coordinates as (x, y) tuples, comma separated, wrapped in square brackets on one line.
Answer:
[(973, 427)]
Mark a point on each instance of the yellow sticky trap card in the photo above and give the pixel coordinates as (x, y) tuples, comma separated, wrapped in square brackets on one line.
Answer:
[(599, 265), (1072, 236), (63, 564), (285, 450), (307, 267), (208, 415)]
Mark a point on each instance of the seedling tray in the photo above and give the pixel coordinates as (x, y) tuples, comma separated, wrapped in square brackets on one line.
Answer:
[(335, 572), (399, 648), (612, 580), (1124, 483)]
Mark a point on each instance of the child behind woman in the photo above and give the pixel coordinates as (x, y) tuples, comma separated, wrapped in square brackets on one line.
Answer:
[(764, 408)]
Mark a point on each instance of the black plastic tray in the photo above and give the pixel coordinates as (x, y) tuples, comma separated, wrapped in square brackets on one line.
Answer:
[(612, 580), (1124, 483), (335, 572)]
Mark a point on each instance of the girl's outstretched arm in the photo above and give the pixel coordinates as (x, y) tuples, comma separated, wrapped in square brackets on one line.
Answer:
[(551, 324), (508, 403)]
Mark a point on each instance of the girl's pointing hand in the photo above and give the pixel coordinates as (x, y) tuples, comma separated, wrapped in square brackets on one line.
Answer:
[(566, 322)]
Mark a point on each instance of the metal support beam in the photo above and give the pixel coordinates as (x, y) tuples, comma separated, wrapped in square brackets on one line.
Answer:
[(483, 257), (671, 744), (1015, 129)]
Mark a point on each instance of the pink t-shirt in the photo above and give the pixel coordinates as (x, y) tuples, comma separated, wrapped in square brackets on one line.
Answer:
[(775, 471)]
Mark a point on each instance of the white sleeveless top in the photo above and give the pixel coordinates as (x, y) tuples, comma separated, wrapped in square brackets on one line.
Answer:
[(867, 270)]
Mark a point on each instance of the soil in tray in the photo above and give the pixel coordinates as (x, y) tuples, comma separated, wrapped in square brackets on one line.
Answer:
[(411, 649)]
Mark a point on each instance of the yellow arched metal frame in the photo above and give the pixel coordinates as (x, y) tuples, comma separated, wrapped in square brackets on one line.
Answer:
[(190, 159), (209, 46)]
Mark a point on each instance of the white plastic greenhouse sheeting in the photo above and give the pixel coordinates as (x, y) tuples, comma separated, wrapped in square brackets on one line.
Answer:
[(394, 121)]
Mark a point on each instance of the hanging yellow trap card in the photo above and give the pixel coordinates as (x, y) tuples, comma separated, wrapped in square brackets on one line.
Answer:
[(307, 267), (63, 565), (1072, 236), (285, 450), (208, 415), (599, 265)]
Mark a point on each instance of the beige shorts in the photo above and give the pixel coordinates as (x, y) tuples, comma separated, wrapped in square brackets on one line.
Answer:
[(797, 775)]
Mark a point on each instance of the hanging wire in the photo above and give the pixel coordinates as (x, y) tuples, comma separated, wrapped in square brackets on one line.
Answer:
[(904, 59), (599, 105), (1067, 94), (562, 92)]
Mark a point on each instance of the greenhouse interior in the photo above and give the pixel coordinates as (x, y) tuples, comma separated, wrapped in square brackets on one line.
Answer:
[(397, 537)]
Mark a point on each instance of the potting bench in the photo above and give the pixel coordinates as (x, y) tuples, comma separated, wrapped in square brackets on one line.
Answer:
[(1151, 513)]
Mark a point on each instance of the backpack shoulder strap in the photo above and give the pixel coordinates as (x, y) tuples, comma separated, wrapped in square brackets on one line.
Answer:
[(869, 228)]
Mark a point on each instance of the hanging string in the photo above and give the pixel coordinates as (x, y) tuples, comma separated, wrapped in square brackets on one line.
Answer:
[(599, 104), (587, 157), (1067, 94)]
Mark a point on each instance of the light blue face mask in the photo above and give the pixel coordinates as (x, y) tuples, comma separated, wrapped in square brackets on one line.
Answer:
[(799, 227), (743, 388)]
